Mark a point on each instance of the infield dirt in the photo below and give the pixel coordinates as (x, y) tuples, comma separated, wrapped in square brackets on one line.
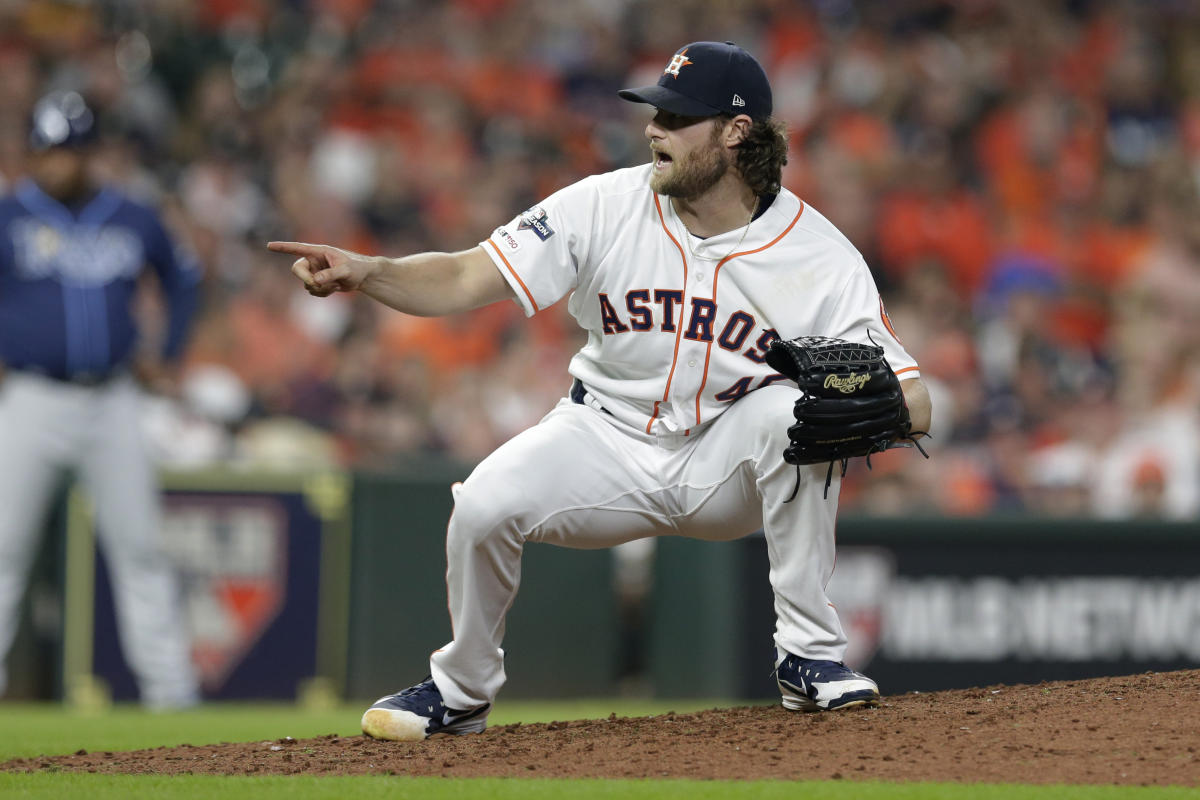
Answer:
[(1135, 730)]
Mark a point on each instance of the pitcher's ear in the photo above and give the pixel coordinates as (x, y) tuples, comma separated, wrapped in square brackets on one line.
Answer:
[(738, 130)]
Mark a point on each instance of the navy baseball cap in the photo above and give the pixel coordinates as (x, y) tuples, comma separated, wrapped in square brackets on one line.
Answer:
[(704, 79), (61, 119)]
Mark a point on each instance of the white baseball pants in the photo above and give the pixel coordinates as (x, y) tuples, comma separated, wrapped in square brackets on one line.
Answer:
[(581, 479), (50, 427)]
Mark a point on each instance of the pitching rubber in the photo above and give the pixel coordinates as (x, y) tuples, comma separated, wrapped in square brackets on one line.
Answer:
[(394, 726)]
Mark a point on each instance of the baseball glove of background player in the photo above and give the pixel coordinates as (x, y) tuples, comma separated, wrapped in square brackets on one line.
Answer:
[(852, 404)]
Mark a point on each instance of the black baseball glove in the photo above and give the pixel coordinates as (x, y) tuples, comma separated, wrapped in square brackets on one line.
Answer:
[(852, 404)]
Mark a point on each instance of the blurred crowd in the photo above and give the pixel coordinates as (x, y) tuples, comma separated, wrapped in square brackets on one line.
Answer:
[(1022, 178)]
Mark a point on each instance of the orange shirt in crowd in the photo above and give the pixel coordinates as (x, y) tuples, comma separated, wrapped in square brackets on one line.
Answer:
[(950, 228), (271, 349)]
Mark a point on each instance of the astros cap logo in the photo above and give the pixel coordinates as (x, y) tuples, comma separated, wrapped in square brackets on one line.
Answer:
[(678, 61)]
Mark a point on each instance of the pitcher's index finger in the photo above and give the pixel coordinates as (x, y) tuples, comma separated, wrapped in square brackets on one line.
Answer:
[(296, 248)]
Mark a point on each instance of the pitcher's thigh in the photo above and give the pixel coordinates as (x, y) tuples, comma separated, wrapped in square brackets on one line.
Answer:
[(754, 426), (735, 463), (573, 480)]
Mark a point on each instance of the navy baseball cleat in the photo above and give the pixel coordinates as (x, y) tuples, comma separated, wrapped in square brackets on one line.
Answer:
[(419, 712), (809, 685)]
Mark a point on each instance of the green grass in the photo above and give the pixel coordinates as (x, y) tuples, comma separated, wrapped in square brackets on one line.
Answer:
[(28, 730), (123, 787)]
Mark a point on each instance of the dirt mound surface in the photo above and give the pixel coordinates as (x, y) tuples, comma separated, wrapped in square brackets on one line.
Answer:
[(1140, 729)]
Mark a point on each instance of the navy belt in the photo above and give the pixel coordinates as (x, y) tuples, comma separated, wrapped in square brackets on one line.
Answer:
[(578, 390)]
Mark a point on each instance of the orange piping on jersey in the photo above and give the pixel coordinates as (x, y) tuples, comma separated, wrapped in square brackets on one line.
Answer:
[(717, 272), (887, 321), (680, 326), (528, 294)]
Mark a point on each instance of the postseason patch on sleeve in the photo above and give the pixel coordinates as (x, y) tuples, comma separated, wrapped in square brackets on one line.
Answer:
[(535, 219)]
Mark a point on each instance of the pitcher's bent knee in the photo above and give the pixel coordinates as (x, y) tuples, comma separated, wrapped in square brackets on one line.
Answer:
[(480, 517)]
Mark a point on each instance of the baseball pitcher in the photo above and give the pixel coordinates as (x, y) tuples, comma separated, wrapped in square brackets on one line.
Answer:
[(737, 348)]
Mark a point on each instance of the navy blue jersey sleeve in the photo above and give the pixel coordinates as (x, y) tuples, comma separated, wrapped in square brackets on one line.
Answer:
[(179, 273)]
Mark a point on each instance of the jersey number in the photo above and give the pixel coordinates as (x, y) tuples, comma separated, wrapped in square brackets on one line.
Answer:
[(741, 387)]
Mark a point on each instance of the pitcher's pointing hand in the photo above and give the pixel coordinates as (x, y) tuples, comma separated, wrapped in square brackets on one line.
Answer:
[(326, 269)]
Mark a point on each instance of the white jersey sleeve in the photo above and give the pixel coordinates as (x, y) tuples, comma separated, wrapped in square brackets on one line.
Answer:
[(540, 250), (858, 315)]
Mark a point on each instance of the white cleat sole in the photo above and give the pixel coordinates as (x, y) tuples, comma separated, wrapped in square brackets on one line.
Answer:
[(795, 702), (393, 726), (799, 704), (804, 704)]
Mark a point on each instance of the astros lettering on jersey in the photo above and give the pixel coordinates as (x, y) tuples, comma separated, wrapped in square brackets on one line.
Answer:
[(678, 328)]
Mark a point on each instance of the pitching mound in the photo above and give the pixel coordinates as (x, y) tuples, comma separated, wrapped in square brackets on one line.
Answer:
[(1141, 729)]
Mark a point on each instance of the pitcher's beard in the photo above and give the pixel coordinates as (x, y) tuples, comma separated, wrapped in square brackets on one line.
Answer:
[(691, 176)]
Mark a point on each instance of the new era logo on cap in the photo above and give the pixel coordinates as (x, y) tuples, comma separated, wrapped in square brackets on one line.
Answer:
[(704, 79)]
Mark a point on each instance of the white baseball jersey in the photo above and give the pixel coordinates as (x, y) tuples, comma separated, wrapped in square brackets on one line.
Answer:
[(678, 326)]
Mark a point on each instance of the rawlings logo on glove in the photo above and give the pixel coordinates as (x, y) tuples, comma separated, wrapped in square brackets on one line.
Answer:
[(847, 385)]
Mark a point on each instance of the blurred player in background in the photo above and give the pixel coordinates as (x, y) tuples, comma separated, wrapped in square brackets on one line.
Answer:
[(71, 255)]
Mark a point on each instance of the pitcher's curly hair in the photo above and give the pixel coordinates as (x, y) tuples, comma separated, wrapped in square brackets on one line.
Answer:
[(762, 154)]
